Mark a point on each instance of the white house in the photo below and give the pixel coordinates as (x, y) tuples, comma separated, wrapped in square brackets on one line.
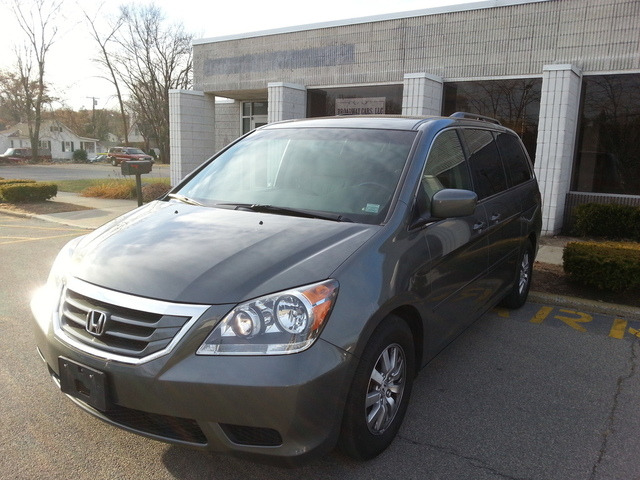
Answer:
[(54, 136)]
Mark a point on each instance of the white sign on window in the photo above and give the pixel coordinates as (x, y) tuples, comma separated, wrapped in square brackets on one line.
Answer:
[(360, 106)]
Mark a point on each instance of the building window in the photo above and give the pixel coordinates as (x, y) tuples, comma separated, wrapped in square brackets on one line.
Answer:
[(365, 100), (67, 146), (608, 153), (46, 144), (87, 147), (514, 102), (254, 115)]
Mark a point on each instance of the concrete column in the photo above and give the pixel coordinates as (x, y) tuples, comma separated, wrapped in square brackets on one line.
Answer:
[(286, 101), (191, 131), (557, 130), (422, 94)]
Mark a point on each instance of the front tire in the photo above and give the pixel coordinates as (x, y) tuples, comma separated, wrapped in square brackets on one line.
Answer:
[(380, 391), (520, 290)]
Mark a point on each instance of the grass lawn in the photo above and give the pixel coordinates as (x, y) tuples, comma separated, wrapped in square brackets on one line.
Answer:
[(77, 186)]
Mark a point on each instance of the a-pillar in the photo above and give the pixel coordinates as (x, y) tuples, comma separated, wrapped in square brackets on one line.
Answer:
[(287, 101), (559, 108), (422, 94), (191, 131)]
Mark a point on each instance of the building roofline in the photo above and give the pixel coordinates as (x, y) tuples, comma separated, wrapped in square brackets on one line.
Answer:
[(478, 5)]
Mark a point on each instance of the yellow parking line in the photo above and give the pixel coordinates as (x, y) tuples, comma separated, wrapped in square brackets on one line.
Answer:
[(541, 315), (618, 328), (11, 240), (43, 228)]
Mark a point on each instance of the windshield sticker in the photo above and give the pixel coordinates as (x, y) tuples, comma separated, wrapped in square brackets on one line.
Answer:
[(372, 208)]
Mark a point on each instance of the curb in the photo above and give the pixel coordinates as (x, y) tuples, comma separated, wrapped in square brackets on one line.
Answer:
[(16, 214), (582, 303)]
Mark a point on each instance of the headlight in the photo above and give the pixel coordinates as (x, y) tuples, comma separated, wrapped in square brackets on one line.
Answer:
[(45, 300), (280, 323)]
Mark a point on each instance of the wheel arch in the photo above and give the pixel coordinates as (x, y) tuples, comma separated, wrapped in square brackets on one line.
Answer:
[(412, 318)]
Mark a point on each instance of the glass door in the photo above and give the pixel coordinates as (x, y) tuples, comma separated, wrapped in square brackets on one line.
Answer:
[(254, 115)]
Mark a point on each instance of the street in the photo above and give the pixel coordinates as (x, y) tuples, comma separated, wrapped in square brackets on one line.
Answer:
[(544, 392), (72, 171)]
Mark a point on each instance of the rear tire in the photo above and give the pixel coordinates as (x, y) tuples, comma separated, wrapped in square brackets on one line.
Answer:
[(520, 290), (380, 391)]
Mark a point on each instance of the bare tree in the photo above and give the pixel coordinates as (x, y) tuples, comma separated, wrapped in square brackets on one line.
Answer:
[(153, 59), (11, 97), (36, 19), (105, 60)]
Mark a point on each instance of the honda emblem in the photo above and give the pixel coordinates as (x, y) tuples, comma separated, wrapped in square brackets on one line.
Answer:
[(96, 322)]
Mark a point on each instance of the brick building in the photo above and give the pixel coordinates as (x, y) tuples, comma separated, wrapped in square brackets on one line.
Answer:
[(565, 74)]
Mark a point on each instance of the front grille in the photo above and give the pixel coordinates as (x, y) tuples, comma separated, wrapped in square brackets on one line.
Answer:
[(136, 329), (127, 332)]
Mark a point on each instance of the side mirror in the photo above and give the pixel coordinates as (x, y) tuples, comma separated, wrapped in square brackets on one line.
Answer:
[(452, 202)]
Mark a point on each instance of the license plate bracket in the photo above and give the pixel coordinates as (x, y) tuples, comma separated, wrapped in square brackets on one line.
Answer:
[(84, 383)]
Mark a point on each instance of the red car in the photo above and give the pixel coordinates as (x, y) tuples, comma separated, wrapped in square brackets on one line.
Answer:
[(119, 154)]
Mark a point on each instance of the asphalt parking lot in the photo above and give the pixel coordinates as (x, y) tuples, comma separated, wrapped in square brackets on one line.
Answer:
[(546, 392)]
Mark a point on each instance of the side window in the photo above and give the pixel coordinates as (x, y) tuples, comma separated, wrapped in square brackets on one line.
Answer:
[(446, 166), (514, 158), (487, 171)]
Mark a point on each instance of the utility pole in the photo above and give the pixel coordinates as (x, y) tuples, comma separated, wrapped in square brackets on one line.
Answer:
[(94, 102)]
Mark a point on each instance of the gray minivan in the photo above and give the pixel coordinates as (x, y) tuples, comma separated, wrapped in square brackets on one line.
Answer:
[(282, 298)]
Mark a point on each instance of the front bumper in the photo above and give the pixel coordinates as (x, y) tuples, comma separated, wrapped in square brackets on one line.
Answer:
[(282, 408)]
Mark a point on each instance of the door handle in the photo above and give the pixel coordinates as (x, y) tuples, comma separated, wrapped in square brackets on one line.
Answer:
[(479, 226), (496, 217)]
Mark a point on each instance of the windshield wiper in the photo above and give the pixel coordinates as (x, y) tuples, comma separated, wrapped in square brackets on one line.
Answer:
[(295, 212), (184, 199)]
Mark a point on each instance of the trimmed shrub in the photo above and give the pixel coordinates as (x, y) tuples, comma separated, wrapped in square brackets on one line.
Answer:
[(28, 192), (80, 156), (14, 181), (613, 266), (616, 222)]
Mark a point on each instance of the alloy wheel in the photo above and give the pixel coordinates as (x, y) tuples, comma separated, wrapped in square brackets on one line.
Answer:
[(386, 386)]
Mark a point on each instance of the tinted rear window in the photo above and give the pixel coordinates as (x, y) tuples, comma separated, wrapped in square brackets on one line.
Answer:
[(487, 171), (514, 158)]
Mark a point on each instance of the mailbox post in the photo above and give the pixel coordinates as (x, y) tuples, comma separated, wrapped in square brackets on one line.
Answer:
[(137, 168)]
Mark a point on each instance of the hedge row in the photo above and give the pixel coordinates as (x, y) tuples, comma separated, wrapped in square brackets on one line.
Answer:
[(613, 266), (615, 222), (20, 192), (11, 181)]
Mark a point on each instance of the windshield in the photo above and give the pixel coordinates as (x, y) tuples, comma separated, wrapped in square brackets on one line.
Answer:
[(352, 173), (134, 151)]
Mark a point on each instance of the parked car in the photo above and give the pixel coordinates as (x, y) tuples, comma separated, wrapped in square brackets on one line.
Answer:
[(24, 154), (280, 300), (118, 154), (100, 157)]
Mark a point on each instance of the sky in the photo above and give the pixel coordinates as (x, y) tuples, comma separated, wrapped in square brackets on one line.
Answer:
[(76, 78)]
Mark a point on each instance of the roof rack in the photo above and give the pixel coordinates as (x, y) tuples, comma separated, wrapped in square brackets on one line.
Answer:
[(475, 116)]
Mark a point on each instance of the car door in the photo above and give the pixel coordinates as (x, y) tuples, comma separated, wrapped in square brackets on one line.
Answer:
[(502, 207), (457, 246)]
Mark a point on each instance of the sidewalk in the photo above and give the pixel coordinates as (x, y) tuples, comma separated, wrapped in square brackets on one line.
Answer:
[(101, 210), (548, 253)]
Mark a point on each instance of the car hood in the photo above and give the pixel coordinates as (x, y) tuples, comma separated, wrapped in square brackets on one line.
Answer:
[(183, 253)]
